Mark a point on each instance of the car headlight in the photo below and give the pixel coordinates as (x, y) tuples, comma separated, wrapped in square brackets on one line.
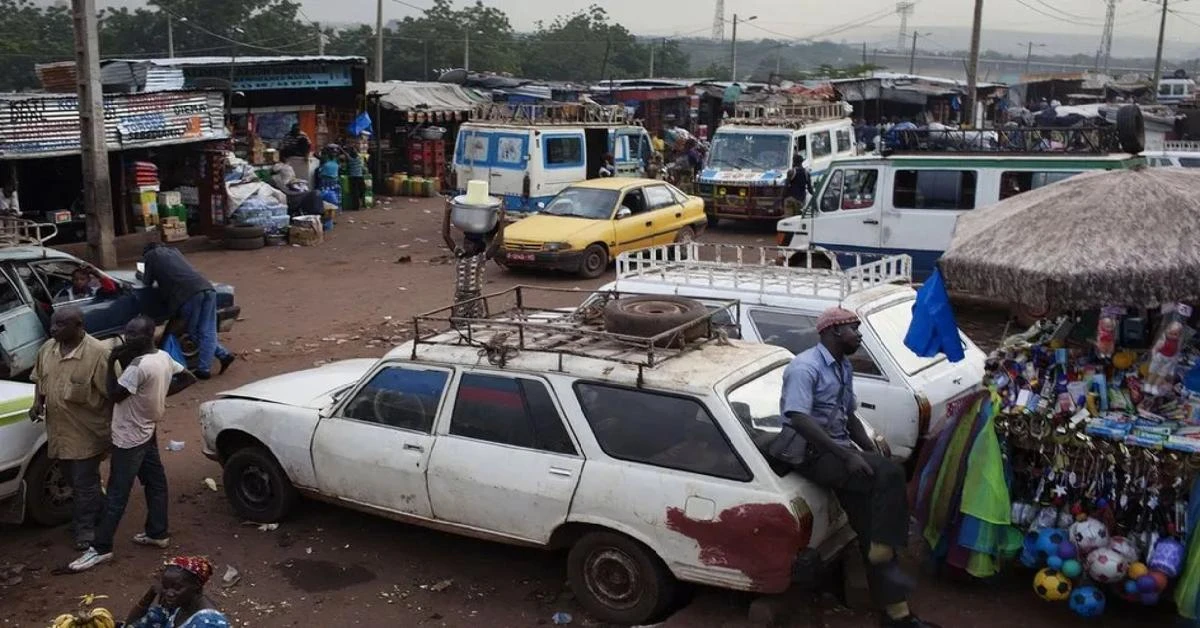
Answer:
[(554, 247)]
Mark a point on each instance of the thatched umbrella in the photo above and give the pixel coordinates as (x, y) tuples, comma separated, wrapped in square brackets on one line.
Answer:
[(1124, 237)]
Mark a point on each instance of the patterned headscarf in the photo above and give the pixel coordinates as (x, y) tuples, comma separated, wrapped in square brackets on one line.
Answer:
[(196, 565)]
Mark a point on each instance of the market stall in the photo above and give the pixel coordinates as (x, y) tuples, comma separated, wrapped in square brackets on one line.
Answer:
[(1080, 458)]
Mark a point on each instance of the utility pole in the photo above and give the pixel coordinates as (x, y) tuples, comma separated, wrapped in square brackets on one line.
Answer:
[(467, 51), (651, 75), (1028, 57), (379, 41), (320, 40), (97, 187), (1158, 56), (973, 67), (912, 56), (733, 53), (425, 54), (170, 38), (864, 53)]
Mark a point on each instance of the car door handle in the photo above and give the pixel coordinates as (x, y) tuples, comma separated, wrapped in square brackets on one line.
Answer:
[(679, 214), (649, 223), (566, 473), (870, 222), (412, 447), (869, 406)]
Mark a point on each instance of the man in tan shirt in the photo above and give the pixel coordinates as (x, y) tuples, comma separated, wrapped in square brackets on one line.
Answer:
[(71, 375)]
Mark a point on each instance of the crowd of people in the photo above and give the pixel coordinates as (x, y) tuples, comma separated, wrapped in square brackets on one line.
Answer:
[(100, 403)]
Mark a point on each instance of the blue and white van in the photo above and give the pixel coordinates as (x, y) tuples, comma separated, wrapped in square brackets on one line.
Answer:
[(745, 177), (529, 160)]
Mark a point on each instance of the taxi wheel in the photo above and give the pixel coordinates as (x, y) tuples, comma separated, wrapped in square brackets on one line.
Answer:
[(47, 491), (619, 580), (257, 487), (594, 262)]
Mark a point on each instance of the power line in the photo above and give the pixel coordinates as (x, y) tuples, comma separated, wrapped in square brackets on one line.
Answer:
[(1179, 15), (1052, 15), (192, 24), (1071, 16)]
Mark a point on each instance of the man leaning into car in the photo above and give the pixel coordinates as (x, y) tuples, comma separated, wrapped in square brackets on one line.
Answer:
[(71, 379)]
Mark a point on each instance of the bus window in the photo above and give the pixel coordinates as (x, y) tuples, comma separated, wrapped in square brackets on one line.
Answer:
[(1016, 182), (821, 145), (844, 145), (934, 189), (849, 189)]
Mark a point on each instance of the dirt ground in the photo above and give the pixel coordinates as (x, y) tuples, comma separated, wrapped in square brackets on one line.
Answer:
[(351, 297)]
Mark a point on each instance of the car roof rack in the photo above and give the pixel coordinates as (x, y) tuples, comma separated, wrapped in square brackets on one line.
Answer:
[(1083, 140), (16, 231), (510, 323), (790, 115), (551, 114), (766, 270)]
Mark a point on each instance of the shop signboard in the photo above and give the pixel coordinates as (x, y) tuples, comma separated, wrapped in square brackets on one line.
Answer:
[(40, 125), (279, 77)]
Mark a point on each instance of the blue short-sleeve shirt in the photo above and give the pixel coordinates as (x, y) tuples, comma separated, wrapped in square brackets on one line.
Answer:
[(817, 385)]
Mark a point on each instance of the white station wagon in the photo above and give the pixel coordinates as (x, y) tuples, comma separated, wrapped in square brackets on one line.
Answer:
[(536, 428)]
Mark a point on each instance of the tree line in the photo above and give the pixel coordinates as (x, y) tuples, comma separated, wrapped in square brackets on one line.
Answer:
[(582, 46)]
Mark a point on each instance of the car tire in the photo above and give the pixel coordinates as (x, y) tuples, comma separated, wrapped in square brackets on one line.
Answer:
[(245, 244), (685, 235), (1131, 129), (47, 491), (649, 316), (618, 580), (594, 261), (244, 232), (257, 487)]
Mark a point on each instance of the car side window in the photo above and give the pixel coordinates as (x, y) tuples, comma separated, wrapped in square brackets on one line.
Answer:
[(399, 397), (509, 411), (864, 363), (56, 276), (634, 202), (9, 298), (34, 284), (658, 197), (794, 332), (659, 429)]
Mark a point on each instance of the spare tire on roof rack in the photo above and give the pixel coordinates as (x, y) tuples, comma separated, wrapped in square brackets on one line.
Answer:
[(649, 316), (1131, 129)]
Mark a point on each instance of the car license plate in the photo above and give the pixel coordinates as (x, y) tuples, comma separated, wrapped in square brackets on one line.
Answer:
[(61, 217), (520, 257)]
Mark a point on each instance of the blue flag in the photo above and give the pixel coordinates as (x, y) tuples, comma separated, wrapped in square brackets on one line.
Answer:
[(361, 124), (933, 329)]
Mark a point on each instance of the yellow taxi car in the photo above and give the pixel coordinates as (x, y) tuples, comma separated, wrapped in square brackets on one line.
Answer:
[(589, 223)]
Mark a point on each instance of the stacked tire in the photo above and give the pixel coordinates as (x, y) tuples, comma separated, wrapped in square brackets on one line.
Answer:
[(244, 237)]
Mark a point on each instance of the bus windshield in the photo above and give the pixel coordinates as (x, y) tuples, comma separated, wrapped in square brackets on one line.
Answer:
[(749, 150)]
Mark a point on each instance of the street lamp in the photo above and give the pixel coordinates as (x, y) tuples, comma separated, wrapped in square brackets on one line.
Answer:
[(912, 56), (467, 50), (733, 56), (1029, 52)]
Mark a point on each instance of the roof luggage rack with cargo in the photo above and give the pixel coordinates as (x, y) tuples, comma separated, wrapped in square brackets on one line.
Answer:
[(767, 270), (511, 323), (790, 115), (576, 114)]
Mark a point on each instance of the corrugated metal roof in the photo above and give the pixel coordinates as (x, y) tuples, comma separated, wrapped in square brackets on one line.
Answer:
[(207, 61), (43, 125), (427, 97)]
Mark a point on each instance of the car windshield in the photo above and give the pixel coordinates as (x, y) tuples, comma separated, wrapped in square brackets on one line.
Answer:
[(583, 203), (757, 151), (755, 403), (891, 323)]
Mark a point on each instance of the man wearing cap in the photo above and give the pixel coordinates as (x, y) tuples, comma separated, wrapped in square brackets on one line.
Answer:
[(823, 440)]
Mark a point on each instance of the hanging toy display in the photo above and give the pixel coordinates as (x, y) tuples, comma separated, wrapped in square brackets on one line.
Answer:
[(1166, 353), (1106, 332)]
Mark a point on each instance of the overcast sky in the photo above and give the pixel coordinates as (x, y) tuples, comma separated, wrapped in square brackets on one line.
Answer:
[(864, 20)]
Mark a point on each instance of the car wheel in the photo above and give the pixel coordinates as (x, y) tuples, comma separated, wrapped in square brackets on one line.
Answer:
[(649, 316), (244, 244), (619, 580), (257, 487), (594, 262), (47, 491), (244, 232), (685, 235), (713, 221)]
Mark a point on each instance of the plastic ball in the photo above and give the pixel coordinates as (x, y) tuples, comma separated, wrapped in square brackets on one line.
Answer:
[(1087, 602), (1048, 540), (1146, 584), (1051, 585), (1054, 562), (1071, 568), (1106, 566), (1130, 587), (1160, 580), (1066, 550), (1089, 535), (1137, 570), (1124, 547), (1149, 599)]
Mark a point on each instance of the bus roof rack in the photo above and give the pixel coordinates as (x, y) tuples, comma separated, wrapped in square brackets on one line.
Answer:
[(510, 324), (1182, 146), (767, 270), (787, 114), (1088, 140), (550, 114), (16, 231)]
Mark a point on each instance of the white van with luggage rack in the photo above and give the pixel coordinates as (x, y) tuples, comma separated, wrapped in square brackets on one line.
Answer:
[(901, 395)]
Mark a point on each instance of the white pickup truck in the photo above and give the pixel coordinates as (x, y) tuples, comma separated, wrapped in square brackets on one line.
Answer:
[(904, 396)]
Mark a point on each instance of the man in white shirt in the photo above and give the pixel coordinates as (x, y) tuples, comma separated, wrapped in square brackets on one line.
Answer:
[(147, 377)]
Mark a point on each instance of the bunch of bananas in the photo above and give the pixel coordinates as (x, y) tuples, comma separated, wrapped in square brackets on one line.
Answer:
[(86, 617)]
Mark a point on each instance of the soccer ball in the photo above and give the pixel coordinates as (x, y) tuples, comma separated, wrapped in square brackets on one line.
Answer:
[(1048, 540), (1106, 566), (1087, 602), (1088, 535), (1051, 585), (1124, 547)]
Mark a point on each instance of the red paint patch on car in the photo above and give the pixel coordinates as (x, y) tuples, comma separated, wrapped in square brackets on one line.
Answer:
[(759, 540)]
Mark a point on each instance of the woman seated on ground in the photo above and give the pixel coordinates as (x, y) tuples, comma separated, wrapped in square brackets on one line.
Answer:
[(181, 602)]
